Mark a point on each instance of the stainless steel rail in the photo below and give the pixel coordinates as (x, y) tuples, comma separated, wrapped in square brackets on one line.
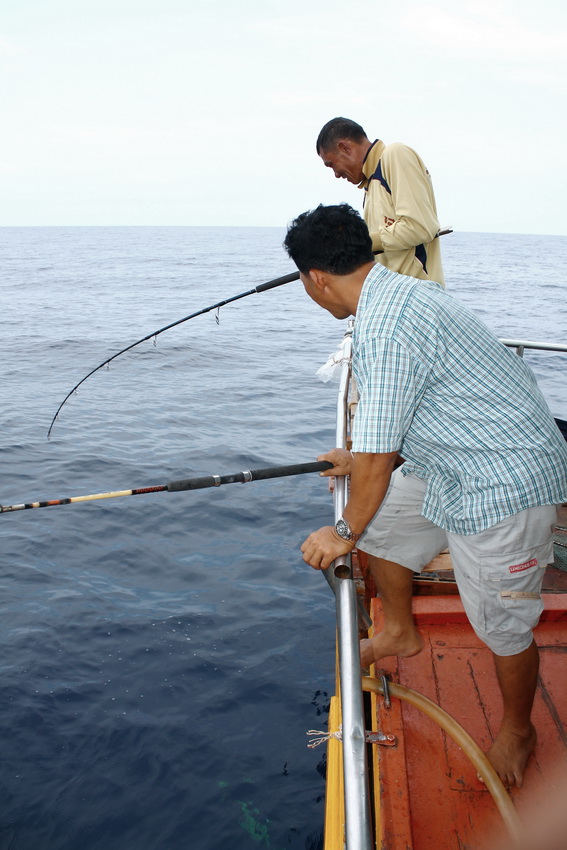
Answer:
[(521, 344), (358, 831)]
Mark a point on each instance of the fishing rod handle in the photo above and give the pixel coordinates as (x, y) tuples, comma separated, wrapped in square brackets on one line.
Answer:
[(248, 475), (278, 281)]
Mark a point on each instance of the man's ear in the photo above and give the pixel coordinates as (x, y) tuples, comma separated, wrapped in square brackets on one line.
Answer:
[(345, 146), (319, 278)]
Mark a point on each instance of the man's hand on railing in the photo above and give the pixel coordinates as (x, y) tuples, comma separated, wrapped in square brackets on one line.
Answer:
[(342, 460), (323, 546)]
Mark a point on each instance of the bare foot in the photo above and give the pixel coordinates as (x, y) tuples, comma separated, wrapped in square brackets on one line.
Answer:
[(509, 754), (403, 645)]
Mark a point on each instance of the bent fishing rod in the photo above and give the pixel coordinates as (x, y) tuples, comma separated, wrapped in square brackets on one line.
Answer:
[(263, 287), (270, 284), (185, 484)]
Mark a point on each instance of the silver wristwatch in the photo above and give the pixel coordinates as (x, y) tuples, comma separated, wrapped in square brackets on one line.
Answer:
[(343, 530)]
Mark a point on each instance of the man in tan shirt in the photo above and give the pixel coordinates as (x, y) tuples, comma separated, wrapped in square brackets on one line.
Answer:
[(399, 204)]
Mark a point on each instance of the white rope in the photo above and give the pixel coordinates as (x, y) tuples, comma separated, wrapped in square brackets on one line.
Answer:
[(369, 737), (324, 737)]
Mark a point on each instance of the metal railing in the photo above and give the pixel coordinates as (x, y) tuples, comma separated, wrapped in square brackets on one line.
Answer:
[(358, 830), (521, 344)]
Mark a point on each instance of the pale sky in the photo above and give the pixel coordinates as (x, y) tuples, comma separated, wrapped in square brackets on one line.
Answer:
[(178, 112)]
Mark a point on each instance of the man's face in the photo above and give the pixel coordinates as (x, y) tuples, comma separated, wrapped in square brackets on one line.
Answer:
[(324, 298), (345, 160)]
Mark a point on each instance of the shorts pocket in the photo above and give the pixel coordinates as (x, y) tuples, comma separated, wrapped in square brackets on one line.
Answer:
[(511, 591)]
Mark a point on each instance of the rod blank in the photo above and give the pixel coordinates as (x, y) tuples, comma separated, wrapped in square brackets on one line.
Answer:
[(185, 484), (270, 284)]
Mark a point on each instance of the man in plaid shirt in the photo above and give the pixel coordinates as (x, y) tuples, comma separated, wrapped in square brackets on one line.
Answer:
[(485, 464)]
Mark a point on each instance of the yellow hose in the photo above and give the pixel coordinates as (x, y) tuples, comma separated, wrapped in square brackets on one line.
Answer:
[(463, 739)]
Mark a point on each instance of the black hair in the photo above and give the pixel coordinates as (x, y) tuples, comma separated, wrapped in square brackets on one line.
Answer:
[(333, 239), (337, 129)]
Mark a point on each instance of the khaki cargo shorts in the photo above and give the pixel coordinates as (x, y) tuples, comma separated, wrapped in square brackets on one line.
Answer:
[(499, 571)]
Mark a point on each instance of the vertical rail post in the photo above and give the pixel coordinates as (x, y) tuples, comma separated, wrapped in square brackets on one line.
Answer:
[(358, 834)]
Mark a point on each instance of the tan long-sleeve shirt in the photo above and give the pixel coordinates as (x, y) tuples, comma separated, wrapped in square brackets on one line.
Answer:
[(400, 211)]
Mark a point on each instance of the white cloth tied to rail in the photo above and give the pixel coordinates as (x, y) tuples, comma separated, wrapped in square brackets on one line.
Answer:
[(331, 369)]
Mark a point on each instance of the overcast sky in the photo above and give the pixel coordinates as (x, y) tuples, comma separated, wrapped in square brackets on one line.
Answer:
[(179, 112)]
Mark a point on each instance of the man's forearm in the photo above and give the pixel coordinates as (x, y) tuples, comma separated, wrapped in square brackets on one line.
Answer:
[(369, 481)]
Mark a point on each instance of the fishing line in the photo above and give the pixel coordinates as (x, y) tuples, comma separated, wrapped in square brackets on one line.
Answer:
[(185, 484), (270, 284)]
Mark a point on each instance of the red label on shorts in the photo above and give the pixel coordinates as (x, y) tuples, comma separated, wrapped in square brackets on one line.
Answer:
[(519, 568)]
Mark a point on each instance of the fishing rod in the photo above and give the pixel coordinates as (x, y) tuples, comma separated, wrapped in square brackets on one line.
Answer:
[(263, 287), (185, 484), (270, 284)]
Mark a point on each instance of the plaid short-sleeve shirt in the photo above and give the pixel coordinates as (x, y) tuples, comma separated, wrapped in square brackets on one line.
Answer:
[(465, 412)]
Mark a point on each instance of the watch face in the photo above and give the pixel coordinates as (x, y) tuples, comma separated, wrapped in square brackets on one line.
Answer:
[(342, 529)]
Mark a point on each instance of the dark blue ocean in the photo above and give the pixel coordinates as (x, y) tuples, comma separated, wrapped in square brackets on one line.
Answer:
[(164, 655)]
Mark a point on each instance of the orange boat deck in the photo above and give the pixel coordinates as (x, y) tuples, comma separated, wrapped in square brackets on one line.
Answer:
[(428, 794)]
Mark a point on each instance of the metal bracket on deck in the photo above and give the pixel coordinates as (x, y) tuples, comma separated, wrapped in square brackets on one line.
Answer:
[(380, 738)]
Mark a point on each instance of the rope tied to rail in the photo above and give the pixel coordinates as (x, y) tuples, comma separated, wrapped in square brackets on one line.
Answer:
[(323, 737), (370, 737)]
